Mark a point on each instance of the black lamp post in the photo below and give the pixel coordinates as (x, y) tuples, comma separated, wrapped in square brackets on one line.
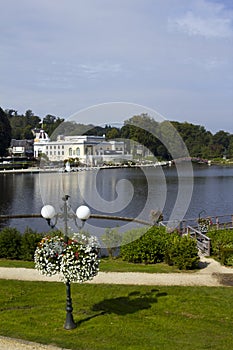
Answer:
[(83, 213), (199, 215)]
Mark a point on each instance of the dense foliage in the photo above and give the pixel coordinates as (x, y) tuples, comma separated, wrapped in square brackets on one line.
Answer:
[(5, 132), (157, 245), (222, 245), (139, 129), (14, 245), (139, 245), (22, 124)]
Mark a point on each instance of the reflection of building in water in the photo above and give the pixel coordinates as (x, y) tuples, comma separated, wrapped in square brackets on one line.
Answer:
[(88, 149)]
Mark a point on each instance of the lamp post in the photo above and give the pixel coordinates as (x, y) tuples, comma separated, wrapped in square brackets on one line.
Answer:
[(83, 213)]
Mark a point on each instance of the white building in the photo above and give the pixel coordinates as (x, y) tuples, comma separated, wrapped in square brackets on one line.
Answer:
[(90, 150)]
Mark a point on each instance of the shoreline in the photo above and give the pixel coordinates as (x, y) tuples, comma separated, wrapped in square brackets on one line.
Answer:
[(34, 170)]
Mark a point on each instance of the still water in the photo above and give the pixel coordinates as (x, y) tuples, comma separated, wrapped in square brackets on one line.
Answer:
[(120, 192)]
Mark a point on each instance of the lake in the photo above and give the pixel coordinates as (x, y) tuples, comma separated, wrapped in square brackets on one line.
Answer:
[(128, 192)]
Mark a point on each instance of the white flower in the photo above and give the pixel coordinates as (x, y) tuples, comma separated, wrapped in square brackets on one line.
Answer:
[(77, 261)]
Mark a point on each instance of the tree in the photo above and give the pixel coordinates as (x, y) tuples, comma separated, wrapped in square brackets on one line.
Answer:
[(144, 130), (230, 149), (112, 239), (11, 112), (21, 125), (221, 141), (29, 114), (5, 133), (196, 138), (113, 133)]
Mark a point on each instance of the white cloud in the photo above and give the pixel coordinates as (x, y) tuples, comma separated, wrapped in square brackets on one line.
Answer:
[(209, 20), (99, 69), (207, 63), (58, 56)]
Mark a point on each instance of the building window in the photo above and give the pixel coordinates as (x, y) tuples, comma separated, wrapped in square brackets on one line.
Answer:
[(58, 147), (77, 151), (62, 147), (62, 152), (58, 152), (70, 152), (54, 152)]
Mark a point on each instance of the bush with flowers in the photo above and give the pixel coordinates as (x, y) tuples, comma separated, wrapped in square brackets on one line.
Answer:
[(76, 260)]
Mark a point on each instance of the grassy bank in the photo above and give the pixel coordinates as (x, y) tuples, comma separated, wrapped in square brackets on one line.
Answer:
[(108, 265), (118, 317)]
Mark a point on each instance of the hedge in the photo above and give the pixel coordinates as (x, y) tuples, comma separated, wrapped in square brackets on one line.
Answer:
[(157, 245), (17, 246), (222, 245)]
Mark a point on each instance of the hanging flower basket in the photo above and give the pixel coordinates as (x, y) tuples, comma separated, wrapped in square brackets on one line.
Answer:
[(203, 224), (77, 262), (48, 255)]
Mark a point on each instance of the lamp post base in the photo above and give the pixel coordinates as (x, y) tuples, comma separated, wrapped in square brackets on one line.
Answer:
[(69, 324)]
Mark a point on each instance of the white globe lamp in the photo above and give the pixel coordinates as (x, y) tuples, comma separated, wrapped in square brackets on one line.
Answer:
[(83, 212), (48, 211)]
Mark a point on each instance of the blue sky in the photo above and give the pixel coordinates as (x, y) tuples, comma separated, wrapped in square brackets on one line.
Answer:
[(173, 56)]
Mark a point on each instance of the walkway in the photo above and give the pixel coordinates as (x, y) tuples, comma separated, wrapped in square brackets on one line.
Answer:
[(210, 274)]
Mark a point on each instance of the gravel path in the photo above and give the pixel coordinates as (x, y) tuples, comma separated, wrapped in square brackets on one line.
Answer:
[(17, 344), (208, 275), (211, 274)]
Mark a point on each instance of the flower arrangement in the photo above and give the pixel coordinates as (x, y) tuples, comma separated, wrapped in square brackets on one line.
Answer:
[(203, 224), (76, 260), (48, 255)]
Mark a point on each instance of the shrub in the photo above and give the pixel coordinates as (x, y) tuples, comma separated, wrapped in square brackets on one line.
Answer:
[(133, 234), (157, 245), (112, 240), (149, 248), (182, 252), (10, 243), (29, 242), (222, 245), (227, 255)]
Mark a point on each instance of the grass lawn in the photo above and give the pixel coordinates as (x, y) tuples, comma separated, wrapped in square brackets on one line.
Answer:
[(119, 317), (16, 263), (107, 265), (118, 265)]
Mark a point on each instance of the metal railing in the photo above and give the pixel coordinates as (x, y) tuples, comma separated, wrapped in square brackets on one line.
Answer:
[(188, 226), (203, 241), (93, 216)]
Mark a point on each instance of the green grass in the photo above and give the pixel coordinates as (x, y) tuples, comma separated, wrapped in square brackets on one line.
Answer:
[(119, 317), (107, 265), (118, 265), (16, 263)]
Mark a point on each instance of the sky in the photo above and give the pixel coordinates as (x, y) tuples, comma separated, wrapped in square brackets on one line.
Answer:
[(173, 56)]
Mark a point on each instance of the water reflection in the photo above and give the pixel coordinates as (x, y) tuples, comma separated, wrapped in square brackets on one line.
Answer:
[(121, 192)]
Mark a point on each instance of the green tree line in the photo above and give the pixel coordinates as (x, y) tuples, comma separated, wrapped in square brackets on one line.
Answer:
[(157, 137)]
